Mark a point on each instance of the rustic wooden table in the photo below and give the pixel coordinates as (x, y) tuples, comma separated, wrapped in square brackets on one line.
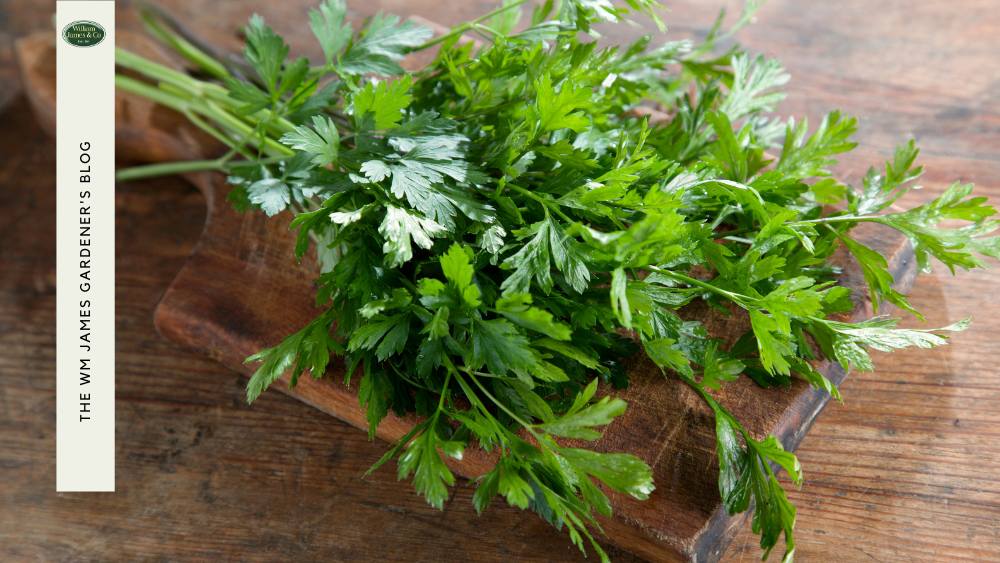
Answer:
[(907, 469)]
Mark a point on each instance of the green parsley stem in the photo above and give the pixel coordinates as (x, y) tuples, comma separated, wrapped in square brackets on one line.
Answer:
[(734, 297), (838, 219), (410, 380), (717, 408), (162, 73), (440, 407), (218, 135), (529, 427), (220, 164), (185, 48), (151, 92), (548, 205), (171, 101), (460, 29), (219, 114), (451, 368), (492, 376), (169, 94), (168, 168), (697, 388), (214, 101), (280, 124), (255, 162), (189, 86), (731, 235)]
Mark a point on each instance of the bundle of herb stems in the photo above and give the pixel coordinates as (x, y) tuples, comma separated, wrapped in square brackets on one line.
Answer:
[(499, 229)]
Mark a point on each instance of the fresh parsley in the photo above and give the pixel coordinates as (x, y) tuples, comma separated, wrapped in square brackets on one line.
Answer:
[(497, 229)]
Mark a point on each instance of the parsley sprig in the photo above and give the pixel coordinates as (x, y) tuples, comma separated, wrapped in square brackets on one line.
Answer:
[(499, 229)]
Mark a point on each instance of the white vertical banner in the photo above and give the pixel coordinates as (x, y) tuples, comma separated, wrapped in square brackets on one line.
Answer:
[(85, 245)]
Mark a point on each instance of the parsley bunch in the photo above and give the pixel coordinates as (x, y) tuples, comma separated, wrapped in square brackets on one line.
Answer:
[(499, 229)]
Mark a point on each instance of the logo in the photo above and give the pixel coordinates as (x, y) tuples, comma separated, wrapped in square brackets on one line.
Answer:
[(83, 33)]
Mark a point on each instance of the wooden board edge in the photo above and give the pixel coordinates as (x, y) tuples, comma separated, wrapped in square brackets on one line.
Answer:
[(722, 527)]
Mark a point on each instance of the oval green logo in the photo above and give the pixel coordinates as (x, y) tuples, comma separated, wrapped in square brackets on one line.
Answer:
[(83, 33)]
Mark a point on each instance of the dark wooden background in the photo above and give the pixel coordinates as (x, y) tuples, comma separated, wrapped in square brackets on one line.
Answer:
[(907, 469)]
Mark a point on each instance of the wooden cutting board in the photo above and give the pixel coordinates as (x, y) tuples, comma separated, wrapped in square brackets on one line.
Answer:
[(242, 290)]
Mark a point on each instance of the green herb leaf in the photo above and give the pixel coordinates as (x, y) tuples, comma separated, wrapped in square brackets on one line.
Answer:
[(321, 140), (381, 45), (330, 28), (266, 51)]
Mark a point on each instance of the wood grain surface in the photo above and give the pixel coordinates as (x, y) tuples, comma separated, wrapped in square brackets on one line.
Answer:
[(910, 455)]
